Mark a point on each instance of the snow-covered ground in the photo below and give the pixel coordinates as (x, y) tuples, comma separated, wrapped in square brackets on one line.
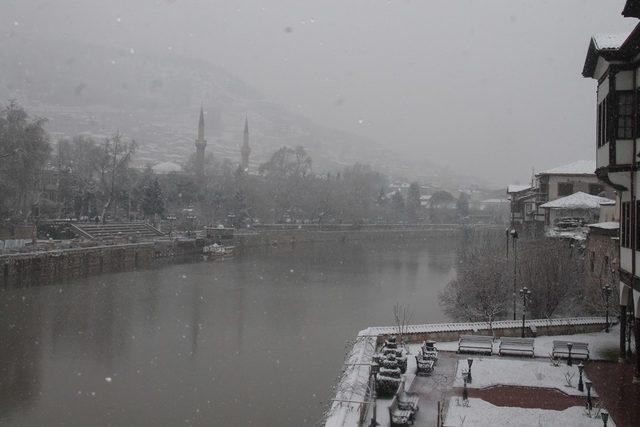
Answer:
[(600, 343), (480, 413), (486, 372)]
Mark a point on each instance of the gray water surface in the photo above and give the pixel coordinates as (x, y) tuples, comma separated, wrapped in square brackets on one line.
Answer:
[(254, 340)]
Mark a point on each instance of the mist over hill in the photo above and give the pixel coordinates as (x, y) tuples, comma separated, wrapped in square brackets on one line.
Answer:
[(154, 99)]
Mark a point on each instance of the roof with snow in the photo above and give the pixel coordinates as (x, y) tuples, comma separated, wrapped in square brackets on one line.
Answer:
[(580, 167), (577, 200), (609, 41), (611, 47), (609, 225), (516, 188), (489, 201), (166, 167)]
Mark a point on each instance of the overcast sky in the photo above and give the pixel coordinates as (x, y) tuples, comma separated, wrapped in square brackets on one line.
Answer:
[(489, 87)]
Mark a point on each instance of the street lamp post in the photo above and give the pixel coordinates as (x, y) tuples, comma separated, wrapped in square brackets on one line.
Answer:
[(514, 235), (526, 295), (589, 401), (606, 293), (469, 362), (506, 231), (569, 361), (580, 384), (374, 373)]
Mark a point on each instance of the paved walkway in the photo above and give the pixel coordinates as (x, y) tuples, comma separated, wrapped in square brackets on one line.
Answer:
[(437, 387), (619, 395), (612, 381)]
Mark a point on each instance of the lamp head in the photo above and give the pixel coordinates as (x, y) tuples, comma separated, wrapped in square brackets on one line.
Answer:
[(588, 384), (470, 362)]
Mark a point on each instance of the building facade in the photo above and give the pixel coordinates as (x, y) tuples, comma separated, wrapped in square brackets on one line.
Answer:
[(613, 61), (527, 214)]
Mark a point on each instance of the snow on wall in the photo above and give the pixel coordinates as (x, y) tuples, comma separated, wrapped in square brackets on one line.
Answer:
[(482, 326), (352, 388)]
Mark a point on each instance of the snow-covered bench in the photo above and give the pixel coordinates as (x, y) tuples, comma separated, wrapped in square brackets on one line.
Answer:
[(516, 346), (579, 350), (475, 344), (399, 417)]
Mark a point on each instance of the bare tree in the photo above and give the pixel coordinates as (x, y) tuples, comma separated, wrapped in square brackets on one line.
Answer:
[(483, 286), (402, 316), (553, 270)]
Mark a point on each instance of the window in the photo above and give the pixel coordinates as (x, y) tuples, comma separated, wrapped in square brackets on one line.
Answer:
[(565, 189), (635, 226), (595, 189), (544, 189), (625, 225), (625, 115), (602, 136)]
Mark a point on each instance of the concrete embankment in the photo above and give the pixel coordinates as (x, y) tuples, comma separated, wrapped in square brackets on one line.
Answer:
[(43, 267), (290, 237), (49, 266)]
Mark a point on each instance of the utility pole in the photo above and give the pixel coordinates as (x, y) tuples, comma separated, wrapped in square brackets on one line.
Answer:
[(514, 234)]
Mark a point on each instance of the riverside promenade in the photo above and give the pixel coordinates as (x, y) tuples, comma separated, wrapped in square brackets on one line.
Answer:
[(531, 389)]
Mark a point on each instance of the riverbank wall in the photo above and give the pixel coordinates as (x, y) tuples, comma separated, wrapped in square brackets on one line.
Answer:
[(47, 266), (41, 267), (289, 237), (32, 268)]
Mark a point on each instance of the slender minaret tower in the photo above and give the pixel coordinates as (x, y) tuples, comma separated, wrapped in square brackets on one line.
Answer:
[(245, 151), (201, 143)]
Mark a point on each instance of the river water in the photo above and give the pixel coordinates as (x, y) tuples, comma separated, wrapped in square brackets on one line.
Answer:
[(254, 340)]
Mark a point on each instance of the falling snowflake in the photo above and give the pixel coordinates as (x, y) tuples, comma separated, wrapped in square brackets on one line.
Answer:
[(108, 379)]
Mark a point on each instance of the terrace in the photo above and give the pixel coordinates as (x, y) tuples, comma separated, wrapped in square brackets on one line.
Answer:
[(538, 390)]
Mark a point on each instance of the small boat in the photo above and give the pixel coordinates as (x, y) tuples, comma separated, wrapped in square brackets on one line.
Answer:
[(217, 250)]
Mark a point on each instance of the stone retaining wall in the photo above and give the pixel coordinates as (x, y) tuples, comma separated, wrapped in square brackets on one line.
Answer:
[(46, 267), (288, 238)]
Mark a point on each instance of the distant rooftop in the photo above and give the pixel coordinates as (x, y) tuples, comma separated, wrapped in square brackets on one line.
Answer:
[(578, 200), (166, 167), (580, 167), (516, 188), (609, 225)]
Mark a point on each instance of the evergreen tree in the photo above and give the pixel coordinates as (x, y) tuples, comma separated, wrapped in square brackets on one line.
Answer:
[(152, 200)]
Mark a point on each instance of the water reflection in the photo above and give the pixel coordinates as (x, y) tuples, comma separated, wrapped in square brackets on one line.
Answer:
[(253, 340)]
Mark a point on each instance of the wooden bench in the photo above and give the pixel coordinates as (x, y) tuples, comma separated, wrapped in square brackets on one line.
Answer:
[(579, 350), (516, 346), (399, 417), (408, 401), (475, 344)]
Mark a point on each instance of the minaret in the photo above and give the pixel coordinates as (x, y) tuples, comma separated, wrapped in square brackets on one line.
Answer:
[(201, 143), (245, 151)]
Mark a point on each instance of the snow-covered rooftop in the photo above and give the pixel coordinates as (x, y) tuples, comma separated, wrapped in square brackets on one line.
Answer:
[(609, 41), (577, 200), (166, 167), (580, 167), (609, 225), (516, 188), (497, 201)]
